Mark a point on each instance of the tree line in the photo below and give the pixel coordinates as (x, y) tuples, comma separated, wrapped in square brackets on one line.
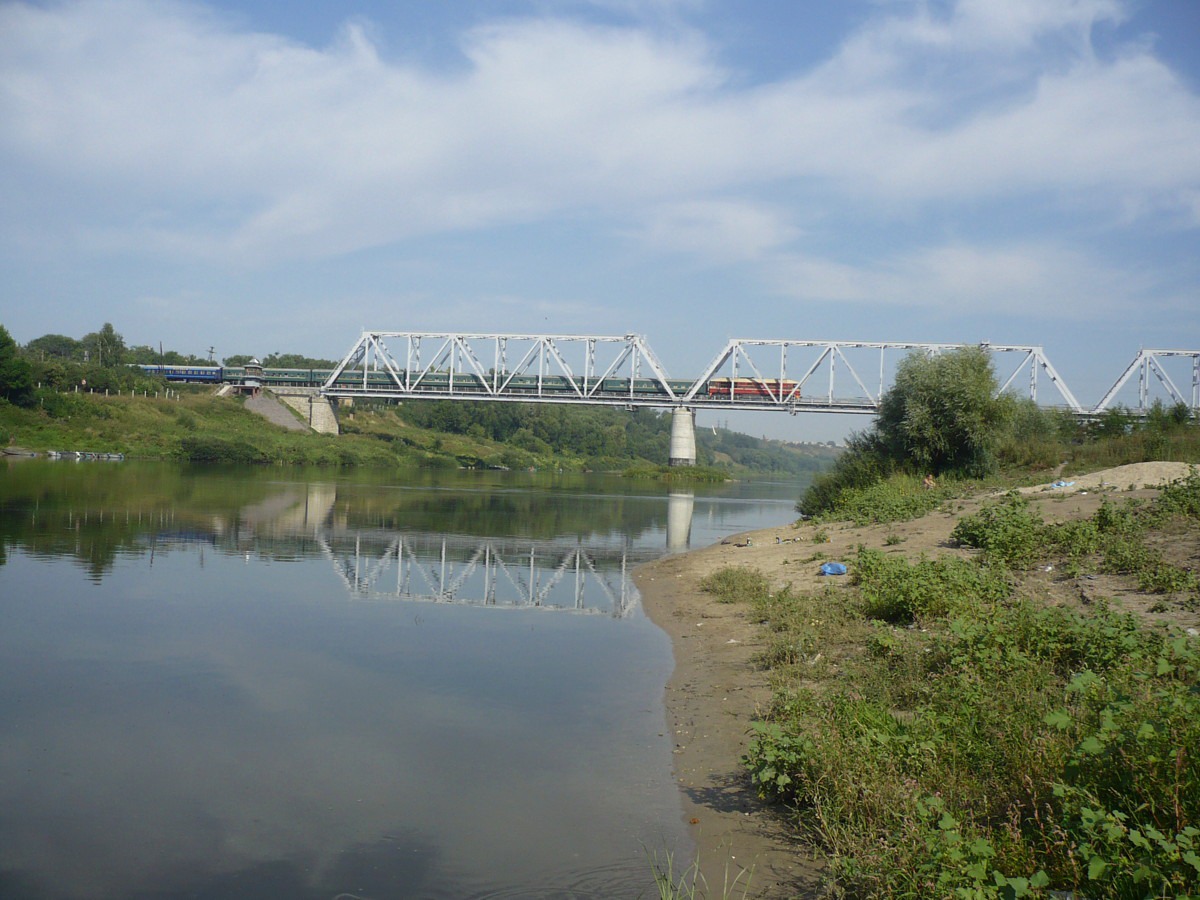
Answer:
[(101, 360), (944, 417)]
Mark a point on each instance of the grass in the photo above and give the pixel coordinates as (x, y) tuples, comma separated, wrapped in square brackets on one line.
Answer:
[(940, 734), (736, 584), (690, 884), (194, 424), (895, 499), (681, 474), (191, 424)]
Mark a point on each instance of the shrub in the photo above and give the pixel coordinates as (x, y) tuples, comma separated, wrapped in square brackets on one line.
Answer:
[(899, 498), (1008, 532), (736, 584), (895, 590), (1180, 497)]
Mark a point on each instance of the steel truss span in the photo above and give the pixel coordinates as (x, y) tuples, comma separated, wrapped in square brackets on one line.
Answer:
[(1153, 362), (787, 375)]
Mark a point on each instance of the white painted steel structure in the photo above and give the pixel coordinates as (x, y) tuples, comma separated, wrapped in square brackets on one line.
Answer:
[(495, 367), (1148, 362), (824, 358), (789, 375)]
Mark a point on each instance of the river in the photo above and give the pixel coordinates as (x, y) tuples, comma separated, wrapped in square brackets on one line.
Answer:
[(224, 682)]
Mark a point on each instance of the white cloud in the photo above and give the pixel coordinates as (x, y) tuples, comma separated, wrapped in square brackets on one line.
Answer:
[(717, 231), (1042, 280), (165, 127)]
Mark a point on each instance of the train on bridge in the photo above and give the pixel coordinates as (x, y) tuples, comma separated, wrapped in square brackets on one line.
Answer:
[(440, 383)]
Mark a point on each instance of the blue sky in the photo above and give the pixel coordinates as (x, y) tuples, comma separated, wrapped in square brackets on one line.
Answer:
[(277, 176)]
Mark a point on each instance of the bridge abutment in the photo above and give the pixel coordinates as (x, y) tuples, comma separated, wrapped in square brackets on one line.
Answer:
[(683, 438), (317, 410)]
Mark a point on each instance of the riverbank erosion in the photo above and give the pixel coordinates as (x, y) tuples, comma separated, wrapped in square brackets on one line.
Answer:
[(720, 686)]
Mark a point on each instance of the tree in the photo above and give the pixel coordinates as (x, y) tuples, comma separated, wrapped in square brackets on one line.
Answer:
[(106, 347), (16, 375), (943, 414), (54, 346)]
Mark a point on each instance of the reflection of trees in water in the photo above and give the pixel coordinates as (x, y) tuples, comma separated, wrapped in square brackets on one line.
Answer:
[(535, 514), (95, 513)]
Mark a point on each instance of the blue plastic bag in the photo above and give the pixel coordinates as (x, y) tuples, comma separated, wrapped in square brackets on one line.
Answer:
[(833, 568)]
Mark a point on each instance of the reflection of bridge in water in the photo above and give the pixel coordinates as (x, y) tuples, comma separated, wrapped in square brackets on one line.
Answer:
[(495, 572), (579, 574)]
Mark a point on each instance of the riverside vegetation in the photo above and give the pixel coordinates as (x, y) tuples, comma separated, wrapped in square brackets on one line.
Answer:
[(122, 410), (983, 722)]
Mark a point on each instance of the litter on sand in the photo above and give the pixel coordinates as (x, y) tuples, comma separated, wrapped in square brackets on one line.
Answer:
[(833, 568)]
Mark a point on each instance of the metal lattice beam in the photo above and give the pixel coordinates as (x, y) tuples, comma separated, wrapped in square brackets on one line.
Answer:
[(544, 368), (790, 375), (1147, 363)]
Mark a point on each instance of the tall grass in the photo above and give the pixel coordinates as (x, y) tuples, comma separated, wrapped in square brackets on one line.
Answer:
[(941, 736)]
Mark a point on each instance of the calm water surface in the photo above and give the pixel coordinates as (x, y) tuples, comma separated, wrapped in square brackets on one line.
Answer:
[(269, 683)]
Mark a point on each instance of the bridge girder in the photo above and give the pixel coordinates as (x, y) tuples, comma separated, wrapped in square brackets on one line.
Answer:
[(787, 375), (1150, 362)]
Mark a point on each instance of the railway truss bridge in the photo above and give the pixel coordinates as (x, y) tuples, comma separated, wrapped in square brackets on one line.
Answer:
[(785, 375)]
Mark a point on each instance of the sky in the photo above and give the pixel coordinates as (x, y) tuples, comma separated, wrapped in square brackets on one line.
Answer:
[(261, 176)]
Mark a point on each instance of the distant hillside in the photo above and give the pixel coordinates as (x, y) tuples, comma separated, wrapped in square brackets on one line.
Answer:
[(192, 423), (737, 451)]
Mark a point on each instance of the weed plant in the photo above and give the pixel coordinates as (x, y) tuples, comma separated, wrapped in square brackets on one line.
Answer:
[(896, 499), (978, 745), (736, 584), (1012, 534)]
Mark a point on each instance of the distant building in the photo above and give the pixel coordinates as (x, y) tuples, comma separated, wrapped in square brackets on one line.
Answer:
[(252, 381)]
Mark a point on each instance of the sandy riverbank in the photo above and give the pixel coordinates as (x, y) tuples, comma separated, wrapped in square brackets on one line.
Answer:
[(716, 688)]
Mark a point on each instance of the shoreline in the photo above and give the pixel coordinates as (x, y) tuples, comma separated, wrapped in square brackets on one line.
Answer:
[(714, 693), (716, 689)]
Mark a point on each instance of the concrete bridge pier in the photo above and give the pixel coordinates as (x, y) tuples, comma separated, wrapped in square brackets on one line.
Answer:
[(683, 438)]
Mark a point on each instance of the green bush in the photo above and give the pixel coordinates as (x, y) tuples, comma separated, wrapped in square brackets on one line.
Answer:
[(1008, 532), (1017, 750), (899, 498), (895, 590), (1180, 498)]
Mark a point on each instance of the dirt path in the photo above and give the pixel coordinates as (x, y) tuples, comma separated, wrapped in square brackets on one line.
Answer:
[(717, 688)]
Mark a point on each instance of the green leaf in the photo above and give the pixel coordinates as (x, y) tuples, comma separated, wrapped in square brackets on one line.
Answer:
[(1091, 746), (1059, 718), (1096, 867)]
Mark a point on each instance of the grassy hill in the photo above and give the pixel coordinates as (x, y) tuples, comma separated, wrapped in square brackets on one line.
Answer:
[(194, 424)]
